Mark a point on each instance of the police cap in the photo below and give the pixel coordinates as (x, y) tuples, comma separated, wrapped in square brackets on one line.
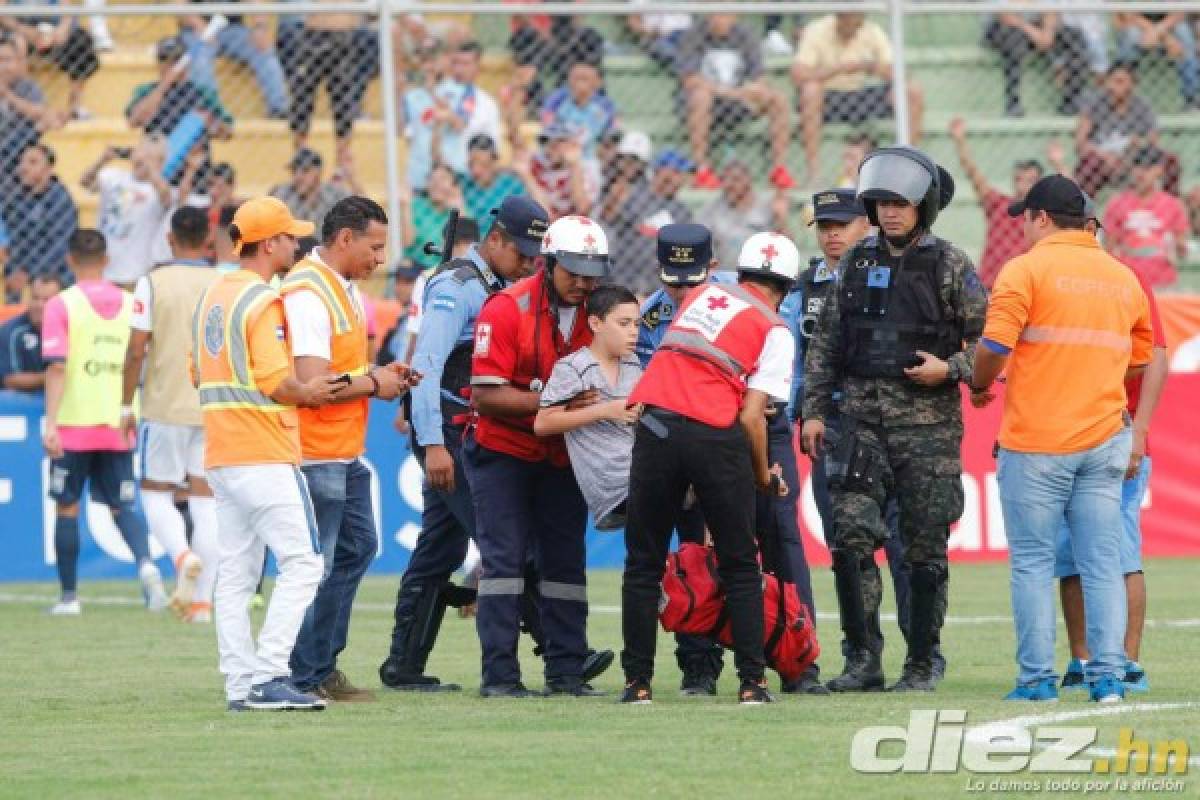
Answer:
[(837, 205), (525, 221), (684, 253)]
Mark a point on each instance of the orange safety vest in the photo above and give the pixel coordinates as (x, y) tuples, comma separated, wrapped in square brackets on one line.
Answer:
[(338, 430), (539, 345), (242, 426), (713, 345)]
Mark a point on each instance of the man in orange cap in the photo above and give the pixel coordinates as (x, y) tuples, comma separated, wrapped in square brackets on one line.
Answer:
[(243, 367)]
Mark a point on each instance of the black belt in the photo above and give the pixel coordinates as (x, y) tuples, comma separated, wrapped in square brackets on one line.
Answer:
[(664, 414)]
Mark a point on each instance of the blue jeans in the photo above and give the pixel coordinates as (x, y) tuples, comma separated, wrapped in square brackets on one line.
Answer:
[(341, 497), (1129, 49), (1133, 491), (235, 43), (1036, 490)]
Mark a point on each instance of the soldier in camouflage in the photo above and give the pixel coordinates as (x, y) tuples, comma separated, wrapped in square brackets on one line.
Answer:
[(896, 339)]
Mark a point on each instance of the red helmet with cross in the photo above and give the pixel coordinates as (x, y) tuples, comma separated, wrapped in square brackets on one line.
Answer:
[(771, 254), (579, 245)]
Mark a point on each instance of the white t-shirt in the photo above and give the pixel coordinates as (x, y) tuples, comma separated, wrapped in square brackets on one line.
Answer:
[(481, 113), (566, 320), (773, 373), (131, 215), (142, 318), (308, 321)]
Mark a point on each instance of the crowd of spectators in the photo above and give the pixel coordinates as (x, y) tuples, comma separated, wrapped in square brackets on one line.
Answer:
[(549, 127)]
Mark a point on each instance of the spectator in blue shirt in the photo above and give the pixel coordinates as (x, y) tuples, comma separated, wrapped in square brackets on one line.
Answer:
[(21, 365), (582, 106), (40, 216)]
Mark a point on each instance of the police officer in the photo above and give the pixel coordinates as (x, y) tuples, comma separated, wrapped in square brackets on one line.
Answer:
[(685, 260), (525, 494), (897, 337), (453, 299), (726, 355)]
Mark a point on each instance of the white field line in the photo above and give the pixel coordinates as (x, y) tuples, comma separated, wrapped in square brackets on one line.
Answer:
[(22, 598), (1018, 728)]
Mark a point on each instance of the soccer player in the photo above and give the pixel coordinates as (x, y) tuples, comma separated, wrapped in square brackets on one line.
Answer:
[(84, 335)]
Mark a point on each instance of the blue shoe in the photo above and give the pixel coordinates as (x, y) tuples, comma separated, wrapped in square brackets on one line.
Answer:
[(235, 706), (1044, 691), (1107, 690), (279, 695), (1073, 679), (1135, 678)]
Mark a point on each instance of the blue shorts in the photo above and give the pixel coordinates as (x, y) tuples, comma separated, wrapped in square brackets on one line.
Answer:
[(107, 473), (1133, 491)]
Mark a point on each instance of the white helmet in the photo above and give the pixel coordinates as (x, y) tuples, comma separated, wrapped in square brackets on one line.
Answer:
[(771, 254), (579, 244)]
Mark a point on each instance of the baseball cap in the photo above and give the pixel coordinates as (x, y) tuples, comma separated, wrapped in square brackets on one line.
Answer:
[(555, 131), (304, 158), (169, 49), (684, 253), (673, 159), (836, 205), (263, 217), (407, 270), (525, 221), (1054, 194), (636, 144)]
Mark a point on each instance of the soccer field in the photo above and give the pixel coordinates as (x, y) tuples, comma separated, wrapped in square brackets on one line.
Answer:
[(119, 703)]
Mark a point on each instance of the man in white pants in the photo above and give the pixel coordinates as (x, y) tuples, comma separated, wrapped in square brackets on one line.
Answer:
[(248, 395), (172, 436)]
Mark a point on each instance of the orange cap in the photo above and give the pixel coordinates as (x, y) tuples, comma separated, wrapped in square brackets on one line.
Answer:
[(263, 217)]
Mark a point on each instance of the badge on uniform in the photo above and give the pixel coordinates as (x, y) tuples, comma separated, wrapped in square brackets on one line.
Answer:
[(443, 302), (815, 304), (483, 339), (879, 277), (822, 274)]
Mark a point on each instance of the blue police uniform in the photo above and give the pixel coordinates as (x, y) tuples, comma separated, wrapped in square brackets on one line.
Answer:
[(453, 299), (20, 347)]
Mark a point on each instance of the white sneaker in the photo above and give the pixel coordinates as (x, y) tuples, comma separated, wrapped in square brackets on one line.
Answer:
[(66, 608), (776, 44), (152, 587), (190, 567)]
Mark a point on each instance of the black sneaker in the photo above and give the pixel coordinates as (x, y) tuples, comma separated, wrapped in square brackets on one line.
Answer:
[(573, 688), (755, 693), (638, 693), (594, 663), (916, 677), (808, 683), (506, 690)]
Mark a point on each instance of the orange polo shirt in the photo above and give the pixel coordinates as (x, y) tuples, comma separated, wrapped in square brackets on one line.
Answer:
[(1075, 319)]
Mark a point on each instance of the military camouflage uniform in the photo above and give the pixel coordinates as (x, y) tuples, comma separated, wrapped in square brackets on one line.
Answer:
[(908, 436)]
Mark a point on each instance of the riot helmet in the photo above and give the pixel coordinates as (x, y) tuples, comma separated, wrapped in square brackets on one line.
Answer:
[(903, 173)]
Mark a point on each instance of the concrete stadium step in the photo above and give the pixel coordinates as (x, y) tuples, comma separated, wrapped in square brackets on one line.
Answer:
[(259, 151)]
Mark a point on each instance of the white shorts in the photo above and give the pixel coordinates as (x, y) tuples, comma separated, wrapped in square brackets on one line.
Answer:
[(170, 453)]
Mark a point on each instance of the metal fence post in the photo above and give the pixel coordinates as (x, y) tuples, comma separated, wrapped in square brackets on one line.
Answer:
[(899, 79), (391, 128)]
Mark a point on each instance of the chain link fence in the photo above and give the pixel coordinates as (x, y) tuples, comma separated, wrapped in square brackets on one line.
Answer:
[(638, 113)]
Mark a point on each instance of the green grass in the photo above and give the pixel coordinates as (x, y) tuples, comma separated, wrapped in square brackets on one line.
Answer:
[(119, 703)]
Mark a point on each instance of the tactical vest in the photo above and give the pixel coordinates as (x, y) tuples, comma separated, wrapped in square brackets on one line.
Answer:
[(891, 306), (456, 372), (815, 292)]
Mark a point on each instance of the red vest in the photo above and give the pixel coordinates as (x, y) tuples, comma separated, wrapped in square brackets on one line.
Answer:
[(700, 369), (539, 345)]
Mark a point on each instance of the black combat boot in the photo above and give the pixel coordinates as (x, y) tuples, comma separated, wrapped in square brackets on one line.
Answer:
[(863, 671), (918, 675), (420, 607)]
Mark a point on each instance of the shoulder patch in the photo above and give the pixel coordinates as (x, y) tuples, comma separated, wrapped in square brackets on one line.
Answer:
[(443, 302), (483, 339)]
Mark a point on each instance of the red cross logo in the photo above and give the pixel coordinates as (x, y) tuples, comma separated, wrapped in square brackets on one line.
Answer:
[(589, 241), (769, 252), (715, 303)]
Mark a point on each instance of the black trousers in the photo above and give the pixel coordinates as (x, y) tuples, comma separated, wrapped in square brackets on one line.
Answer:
[(670, 453), (332, 57)]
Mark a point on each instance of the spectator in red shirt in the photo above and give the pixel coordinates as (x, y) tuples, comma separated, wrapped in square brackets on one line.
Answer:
[(1005, 235), (1145, 226)]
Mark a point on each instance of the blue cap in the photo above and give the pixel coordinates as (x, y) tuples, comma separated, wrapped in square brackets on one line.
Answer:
[(525, 221), (837, 205), (673, 159), (554, 131), (407, 270), (684, 253)]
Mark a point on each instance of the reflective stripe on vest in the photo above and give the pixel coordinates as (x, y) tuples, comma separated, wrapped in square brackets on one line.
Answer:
[(94, 368), (308, 276), (693, 344), (241, 391)]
